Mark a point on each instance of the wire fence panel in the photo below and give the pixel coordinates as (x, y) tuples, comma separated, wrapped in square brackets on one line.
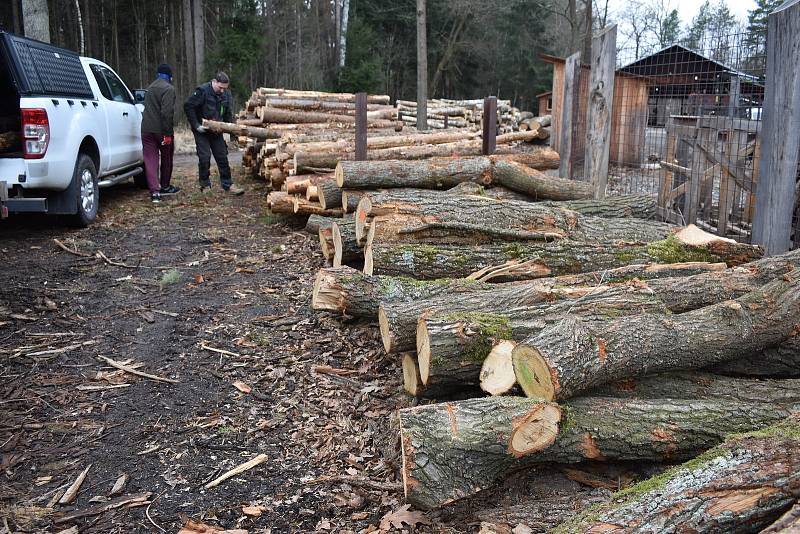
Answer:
[(685, 124)]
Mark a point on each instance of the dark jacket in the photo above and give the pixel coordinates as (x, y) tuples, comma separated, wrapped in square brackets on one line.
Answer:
[(204, 103), (159, 108)]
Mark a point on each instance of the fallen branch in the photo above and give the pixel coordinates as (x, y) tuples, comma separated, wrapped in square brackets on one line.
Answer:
[(105, 258), (72, 491), (71, 251), (260, 459), (356, 481), (203, 346), (133, 371), (139, 499)]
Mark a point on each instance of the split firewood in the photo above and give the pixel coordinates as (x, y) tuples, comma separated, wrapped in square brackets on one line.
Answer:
[(526, 261), (575, 355), (454, 449), (345, 247), (258, 460), (349, 291), (743, 485)]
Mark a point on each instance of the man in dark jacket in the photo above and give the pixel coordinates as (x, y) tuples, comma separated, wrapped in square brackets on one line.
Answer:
[(157, 132), (212, 101)]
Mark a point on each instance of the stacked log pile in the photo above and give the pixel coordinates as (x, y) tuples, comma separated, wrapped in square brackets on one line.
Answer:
[(447, 113), (559, 329)]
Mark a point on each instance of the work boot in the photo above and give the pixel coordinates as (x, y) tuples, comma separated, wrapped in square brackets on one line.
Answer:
[(234, 190), (204, 186)]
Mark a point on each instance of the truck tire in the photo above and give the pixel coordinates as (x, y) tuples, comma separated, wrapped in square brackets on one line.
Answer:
[(88, 197)]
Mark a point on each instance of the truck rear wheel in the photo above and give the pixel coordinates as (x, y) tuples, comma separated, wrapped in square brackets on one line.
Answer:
[(85, 179)]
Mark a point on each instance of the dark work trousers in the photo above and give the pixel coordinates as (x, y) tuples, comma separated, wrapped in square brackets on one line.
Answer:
[(151, 149), (213, 143)]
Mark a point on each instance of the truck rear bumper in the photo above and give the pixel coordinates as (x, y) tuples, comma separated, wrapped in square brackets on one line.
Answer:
[(19, 205)]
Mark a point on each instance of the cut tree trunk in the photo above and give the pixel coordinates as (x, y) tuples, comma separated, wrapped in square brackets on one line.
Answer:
[(576, 355), (538, 185), (454, 449), (346, 249), (743, 485), (412, 384), (351, 198), (282, 116), (398, 322), (639, 206), (346, 290), (330, 194), (452, 347), (431, 174), (506, 220), (315, 222), (241, 129), (280, 202), (524, 261), (301, 206), (782, 361), (700, 385)]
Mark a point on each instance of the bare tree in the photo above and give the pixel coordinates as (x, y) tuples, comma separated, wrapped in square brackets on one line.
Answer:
[(36, 20), (199, 40), (422, 66)]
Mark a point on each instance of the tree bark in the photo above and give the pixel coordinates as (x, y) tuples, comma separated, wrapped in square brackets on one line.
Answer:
[(280, 202), (499, 220), (301, 206), (240, 129), (36, 20), (788, 523), (422, 66), (199, 31), (526, 261), (315, 222), (577, 355), (351, 198), (346, 290), (284, 116), (782, 361), (703, 385), (740, 486), (330, 194), (454, 449), (326, 244), (346, 249), (398, 322), (538, 185), (452, 347), (639, 206)]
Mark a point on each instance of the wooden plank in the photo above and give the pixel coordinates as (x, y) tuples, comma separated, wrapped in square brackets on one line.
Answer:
[(698, 169), (361, 127), (667, 176), (569, 110), (489, 125), (600, 103), (733, 96), (780, 133)]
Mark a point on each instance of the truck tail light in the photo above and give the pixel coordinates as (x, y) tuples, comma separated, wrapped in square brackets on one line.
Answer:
[(35, 133)]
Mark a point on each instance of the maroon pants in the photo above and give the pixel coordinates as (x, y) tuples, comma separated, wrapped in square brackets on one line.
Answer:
[(151, 148)]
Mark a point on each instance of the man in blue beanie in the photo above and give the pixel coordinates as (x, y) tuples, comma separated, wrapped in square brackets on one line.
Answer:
[(157, 134)]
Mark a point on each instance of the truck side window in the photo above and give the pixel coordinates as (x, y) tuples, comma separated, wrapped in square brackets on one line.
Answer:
[(101, 82), (119, 92)]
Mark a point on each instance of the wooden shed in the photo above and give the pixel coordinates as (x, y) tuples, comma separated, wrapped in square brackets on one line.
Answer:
[(545, 103), (629, 119)]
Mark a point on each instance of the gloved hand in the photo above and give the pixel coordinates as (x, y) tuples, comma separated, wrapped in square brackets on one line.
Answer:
[(166, 140), (202, 129)]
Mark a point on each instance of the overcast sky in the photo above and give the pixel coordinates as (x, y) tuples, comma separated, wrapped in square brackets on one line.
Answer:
[(687, 9)]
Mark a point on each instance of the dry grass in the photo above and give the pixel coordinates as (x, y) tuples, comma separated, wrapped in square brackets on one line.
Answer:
[(184, 141)]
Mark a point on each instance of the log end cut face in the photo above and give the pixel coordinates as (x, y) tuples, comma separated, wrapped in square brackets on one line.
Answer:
[(412, 382), (338, 174), (386, 331), (497, 373), (535, 431), (423, 350), (533, 373), (327, 294)]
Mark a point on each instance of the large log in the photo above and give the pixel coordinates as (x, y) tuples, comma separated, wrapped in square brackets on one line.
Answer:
[(280, 202), (398, 322), (282, 116), (315, 222), (241, 129), (330, 194), (782, 361), (452, 450), (740, 486), (319, 95), (639, 206), (301, 206), (524, 261), (349, 291), (700, 385), (452, 347), (576, 355), (506, 220), (345, 246), (538, 185), (351, 198)]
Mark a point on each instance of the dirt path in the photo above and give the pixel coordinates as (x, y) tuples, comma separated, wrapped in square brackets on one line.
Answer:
[(207, 291)]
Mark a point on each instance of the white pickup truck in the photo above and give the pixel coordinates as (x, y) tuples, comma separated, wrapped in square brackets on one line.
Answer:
[(68, 126)]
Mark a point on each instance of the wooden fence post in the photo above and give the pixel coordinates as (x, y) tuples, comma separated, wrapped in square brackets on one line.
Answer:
[(569, 110), (489, 125), (733, 96), (780, 132), (361, 127), (601, 98)]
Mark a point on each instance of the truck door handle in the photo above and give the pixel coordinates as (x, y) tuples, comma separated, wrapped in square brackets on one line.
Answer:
[(124, 113)]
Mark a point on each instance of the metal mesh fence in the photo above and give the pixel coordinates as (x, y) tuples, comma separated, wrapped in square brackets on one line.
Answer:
[(685, 124)]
